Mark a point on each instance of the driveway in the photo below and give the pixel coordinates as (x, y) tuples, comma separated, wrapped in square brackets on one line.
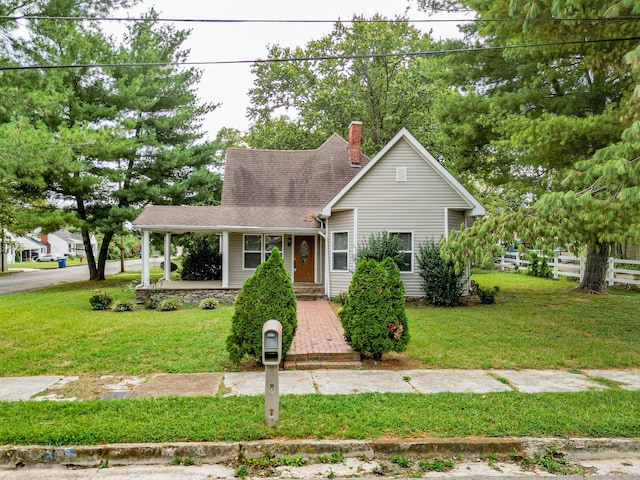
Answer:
[(32, 280)]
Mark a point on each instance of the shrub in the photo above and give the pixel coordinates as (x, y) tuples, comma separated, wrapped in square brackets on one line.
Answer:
[(380, 246), (170, 304), (487, 296), (440, 282), (266, 295), (538, 266), (153, 302), (122, 306), (202, 260), (208, 304), (340, 298), (100, 300), (373, 315)]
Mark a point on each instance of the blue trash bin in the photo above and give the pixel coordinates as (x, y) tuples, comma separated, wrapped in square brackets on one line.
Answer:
[(62, 263)]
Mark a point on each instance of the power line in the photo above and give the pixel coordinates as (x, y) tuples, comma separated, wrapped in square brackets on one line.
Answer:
[(303, 21), (314, 59)]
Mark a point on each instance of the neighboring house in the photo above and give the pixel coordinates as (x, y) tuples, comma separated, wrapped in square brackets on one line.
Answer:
[(30, 248), (317, 206), (8, 246), (64, 243)]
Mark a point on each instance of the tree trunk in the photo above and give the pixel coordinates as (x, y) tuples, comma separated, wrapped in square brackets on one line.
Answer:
[(88, 250), (595, 275), (104, 252)]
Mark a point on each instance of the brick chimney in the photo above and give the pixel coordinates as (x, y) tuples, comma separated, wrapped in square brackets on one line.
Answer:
[(355, 142), (45, 240)]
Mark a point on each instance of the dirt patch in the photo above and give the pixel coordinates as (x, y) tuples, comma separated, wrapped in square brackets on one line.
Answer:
[(90, 387)]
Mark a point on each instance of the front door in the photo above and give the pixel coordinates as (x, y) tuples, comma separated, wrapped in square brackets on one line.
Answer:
[(304, 260)]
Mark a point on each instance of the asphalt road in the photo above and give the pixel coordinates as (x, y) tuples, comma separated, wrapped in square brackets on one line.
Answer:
[(32, 280)]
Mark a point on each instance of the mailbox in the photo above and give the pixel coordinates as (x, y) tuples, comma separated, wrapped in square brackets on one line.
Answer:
[(272, 343)]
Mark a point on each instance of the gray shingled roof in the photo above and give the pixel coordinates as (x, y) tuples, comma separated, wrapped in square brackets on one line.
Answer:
[(187, 218), (267, 189), (288, 177)]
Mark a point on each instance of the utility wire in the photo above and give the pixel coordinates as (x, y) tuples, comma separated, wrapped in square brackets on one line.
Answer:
[(303, 21), (315, 59)]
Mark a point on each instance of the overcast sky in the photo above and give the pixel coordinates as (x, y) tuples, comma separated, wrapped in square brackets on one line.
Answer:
[(229, 84)]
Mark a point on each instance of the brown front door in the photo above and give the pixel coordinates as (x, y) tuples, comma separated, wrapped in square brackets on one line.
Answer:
[(303, 259)]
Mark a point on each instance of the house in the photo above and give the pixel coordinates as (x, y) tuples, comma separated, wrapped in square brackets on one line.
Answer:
[(30, 248), (64, 243), (317, 206), (8, 246)]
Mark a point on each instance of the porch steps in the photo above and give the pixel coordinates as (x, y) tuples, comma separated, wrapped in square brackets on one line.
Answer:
[(309, 292)]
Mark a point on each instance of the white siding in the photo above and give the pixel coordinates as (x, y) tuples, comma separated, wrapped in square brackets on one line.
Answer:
[(416, 205), (456, 220), (237, 276), (339, 280)]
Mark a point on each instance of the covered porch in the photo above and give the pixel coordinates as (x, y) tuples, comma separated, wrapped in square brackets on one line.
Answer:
[(247, 236)]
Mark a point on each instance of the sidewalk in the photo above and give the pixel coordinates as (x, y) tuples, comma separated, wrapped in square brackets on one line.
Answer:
[(326, 382)]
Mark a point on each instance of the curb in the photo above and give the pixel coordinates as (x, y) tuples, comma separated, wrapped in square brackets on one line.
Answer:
[(216, 453)]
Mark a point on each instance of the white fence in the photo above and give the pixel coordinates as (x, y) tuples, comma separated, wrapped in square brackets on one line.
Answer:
[(574, 267)]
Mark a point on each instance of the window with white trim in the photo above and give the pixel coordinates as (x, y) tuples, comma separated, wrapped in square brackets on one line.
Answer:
[(252, 247), (258, 248), (271, 242), (340, 251), (406, 248)]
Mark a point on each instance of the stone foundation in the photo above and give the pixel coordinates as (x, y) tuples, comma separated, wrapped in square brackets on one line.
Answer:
[(223, 295)]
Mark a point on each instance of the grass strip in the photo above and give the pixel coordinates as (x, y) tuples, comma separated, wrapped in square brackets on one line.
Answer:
[(612, 413)]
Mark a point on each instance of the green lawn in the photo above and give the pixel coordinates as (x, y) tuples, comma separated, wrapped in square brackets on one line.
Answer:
[(536, 323), (611, 413), (45, 265)]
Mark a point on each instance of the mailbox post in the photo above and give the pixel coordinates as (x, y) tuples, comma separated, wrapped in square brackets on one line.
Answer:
[(271, 358)]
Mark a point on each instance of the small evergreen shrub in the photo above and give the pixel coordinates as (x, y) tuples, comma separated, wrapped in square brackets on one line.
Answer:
[(100, 300), (122, 306), (373, 315), (266, 295), (341, 298), (440, 282), (208, 304), (488, 295), (380, 246), (170, 304)]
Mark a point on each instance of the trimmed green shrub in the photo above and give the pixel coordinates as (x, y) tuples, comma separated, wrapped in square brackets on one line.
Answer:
[(266, 295), (440, 282), (380, 246), (100, 300), (373, 315), (208, 304), (488, 295), (170, 304), (122, 306), (202, 260)]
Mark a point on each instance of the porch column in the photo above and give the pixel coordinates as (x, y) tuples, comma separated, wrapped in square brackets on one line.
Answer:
[(167, 257), (146, 281), (224, 239)]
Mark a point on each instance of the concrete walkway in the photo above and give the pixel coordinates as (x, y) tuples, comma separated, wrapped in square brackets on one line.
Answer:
[(329, 382)]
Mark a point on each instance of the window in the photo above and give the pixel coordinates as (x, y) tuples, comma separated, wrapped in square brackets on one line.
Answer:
[(340, 250), (406, 248), (271, 242), (252, 251), (255, 251)]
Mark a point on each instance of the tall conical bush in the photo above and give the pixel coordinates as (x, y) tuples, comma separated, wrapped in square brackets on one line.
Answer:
[(266, 295), (373, 315)]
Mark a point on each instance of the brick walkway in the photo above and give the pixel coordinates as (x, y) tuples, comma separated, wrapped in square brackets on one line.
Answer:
[(320, 336)]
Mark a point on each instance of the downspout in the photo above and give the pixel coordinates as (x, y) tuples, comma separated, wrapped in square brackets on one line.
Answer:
[(324, 226)]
